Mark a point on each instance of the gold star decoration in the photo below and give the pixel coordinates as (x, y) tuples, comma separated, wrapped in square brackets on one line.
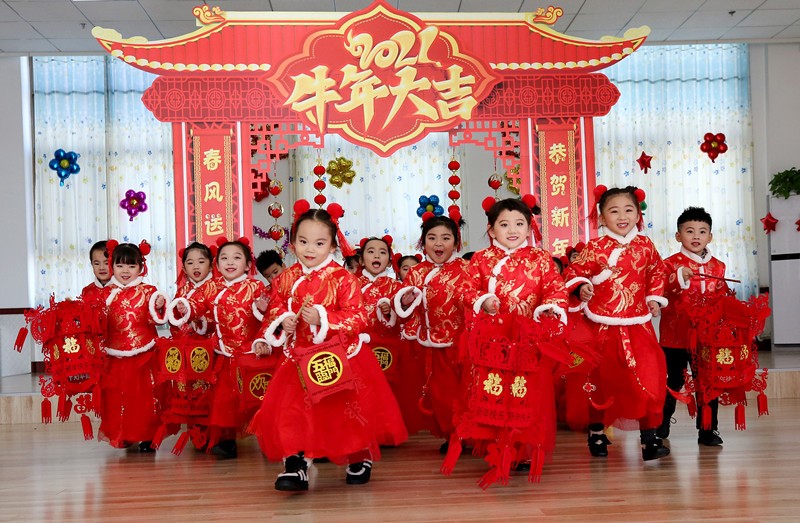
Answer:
[(340, 171)]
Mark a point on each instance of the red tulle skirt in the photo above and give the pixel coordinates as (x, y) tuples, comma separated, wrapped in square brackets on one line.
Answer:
[(226, 414), (406, 377), (337, 426), (572, 402), (128, 407), (628, 386)]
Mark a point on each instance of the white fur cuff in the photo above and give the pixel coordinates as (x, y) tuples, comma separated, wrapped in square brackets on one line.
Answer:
[(683, 283), (478, 305), (321, 333), (269, 334), (257, 313), (562, 315), (262, 340), (398, 302), (658, 299), (174, 320), (161, 320), (392, 321)]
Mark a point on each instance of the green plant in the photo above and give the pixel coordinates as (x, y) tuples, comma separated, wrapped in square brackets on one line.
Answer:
[(785, 183)]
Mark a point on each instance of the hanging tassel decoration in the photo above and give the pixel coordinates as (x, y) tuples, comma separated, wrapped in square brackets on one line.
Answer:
[(64, 408), (537, 464), (706, 425), (86, 424), (763, 405), (20, 341), (692, 406), (158, 437), (47, 411), (453, 453), (181, 443), (738, 416)]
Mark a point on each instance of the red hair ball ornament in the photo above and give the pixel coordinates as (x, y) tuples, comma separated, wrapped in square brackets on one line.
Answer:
[(599, 191), (579, 247), (396, 258), (144, 248), (454, 214), (487, 203), (640, 195), (427, 215), (301, 206), (110, 246), (337, 211), (530, 201)]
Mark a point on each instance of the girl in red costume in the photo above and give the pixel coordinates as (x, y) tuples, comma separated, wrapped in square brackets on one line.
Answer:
[(232, 304), (513, 277), (404, 264), (128, 407), (620, 280), (93, 293), (313, 302), (403, 370), (432, 309)]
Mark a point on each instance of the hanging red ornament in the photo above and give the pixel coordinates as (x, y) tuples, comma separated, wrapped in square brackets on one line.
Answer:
[(275, 187), (714, 145), (644, 162), (453, 210), (275, 210), (770, 223), (798, 224), (319, 184), (495, 182)]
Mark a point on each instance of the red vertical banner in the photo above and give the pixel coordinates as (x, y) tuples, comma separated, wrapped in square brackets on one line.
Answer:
[(559, 189), (213, 191)]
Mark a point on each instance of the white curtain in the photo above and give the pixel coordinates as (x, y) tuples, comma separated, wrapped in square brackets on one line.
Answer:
[(671, 96), (92, 106), (384, 196)]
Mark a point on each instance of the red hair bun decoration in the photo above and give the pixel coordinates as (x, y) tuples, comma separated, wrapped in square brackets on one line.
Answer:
[(301, 206), (144, 247), (640, 195), (599, 191), (454, 214), (487, 203), (529, 200), (389, 240), (336, 211), (427, 215), (418, 257)]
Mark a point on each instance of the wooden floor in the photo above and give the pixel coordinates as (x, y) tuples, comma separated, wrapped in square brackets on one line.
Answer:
[(48, 473)]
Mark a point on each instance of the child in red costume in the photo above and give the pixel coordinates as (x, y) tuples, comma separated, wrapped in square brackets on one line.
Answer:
[(232, 303), (128, 407), (402, 368), (317, 303), (93, 293), (513, 277), (620, 280), (684, 278), (432, 309), (197, 272), (404, 264)]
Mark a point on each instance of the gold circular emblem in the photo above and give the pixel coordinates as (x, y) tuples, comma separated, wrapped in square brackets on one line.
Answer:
[(258, 385), (324, 368), (172, 360), (384, 355), (199, 359), (239, 381)]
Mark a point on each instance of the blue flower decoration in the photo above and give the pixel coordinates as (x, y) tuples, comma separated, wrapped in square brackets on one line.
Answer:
[(429, 204), (65, 164)]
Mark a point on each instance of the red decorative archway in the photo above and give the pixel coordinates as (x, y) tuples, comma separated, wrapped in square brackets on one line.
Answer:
[(237, 89)]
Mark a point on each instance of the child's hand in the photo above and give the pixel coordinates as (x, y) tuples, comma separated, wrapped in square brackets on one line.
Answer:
[(408, 298), (385, 308), (289, 325), (586, 293), (491, 305), (311, 316), (655, 308), (160, 302), (261, 304), (687, 273), (181, 307), (261, 349)]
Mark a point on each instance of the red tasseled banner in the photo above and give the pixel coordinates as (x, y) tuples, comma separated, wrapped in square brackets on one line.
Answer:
[(86, 423), (158, 437), (453, 453), (738, 416), (47, 411), (763, 405), (21, 335), (64, 408), (692, 406), (181, 443), (537, 464), (706, 417)]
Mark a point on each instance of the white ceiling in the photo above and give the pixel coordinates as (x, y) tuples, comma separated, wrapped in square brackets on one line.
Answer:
[(64, 26)]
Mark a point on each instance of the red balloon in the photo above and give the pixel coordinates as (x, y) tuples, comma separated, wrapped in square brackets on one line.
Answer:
[(720, 137), (723, 147), (708, 137), (713, 154), (704, 147)]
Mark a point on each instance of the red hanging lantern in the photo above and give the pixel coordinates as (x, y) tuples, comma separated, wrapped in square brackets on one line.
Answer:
[(453, 210), (319, 184)]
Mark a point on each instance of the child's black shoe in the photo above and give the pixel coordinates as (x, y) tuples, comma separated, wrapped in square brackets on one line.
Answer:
[(225, 449), (598, 445), (144, 446), (294, 477), (663, 430), (709, 438), (654, 449), (359, 473)]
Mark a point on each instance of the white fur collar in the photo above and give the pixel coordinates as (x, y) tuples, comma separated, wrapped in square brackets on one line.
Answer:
[(624, 240), (133, 283), (452, 257), (365, 273), (511, 251), (201, 282), (236, 280), (701, 259), (322, 265)]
